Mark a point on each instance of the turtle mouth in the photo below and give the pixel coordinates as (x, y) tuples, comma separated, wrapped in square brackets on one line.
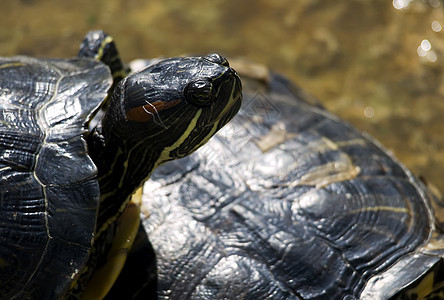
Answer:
[(237, 92), (233, 86)]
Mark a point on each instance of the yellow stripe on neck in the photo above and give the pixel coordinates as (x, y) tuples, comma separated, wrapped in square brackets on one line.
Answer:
[(165, 155), (105, 42)]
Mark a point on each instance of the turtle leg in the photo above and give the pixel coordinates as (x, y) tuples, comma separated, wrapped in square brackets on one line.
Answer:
[(100, 46), (104, 277), (138, 279)]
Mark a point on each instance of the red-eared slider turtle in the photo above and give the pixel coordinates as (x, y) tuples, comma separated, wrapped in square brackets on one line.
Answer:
[(288, 202), (63, 185)]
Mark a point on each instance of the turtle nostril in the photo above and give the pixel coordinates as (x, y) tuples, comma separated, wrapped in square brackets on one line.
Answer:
[(218, 59)]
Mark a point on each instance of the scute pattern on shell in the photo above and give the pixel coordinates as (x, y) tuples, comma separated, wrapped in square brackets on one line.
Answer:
[(286, 202), (48, 189)]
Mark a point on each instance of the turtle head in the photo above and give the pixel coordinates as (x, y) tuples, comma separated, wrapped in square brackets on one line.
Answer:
[(170, 109), (164, 112)]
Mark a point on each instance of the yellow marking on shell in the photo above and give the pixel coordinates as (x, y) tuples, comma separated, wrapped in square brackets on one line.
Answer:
[(326, 144), (336, 171), (15, 64), (361, 142), (276, 136), (381, 208), (127, 227), (330, 172)]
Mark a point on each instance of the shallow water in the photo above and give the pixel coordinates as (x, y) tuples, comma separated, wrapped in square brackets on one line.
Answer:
[(378, 64)]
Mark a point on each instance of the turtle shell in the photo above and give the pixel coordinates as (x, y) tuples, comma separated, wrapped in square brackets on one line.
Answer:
[(286, 202), (49, 193)]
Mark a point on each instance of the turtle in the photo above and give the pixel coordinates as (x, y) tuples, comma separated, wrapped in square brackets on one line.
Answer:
[(67, 170), (288, 201)]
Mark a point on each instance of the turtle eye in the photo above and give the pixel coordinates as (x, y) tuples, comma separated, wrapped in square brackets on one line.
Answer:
[(199, 93), (218, 59)]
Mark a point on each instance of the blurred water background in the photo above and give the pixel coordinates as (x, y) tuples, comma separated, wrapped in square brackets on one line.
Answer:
[(376, 63)]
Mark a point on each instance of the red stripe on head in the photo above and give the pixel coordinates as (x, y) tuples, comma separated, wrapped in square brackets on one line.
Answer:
[(146, 112)]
